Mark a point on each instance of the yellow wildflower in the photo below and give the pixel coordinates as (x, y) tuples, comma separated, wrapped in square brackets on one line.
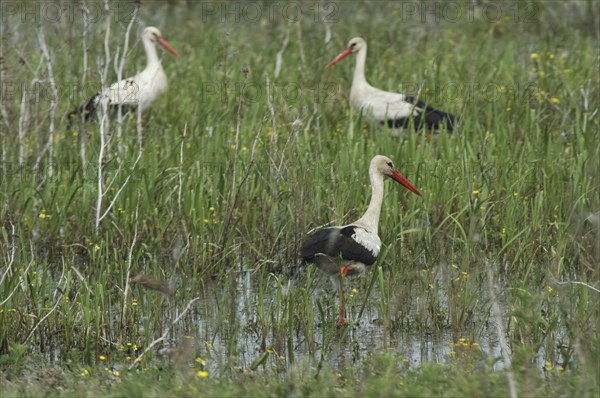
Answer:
[(202, 374)]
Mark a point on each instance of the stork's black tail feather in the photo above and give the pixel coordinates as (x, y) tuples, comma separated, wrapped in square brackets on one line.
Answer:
[(434, 119), (428, 117), (88, 109)]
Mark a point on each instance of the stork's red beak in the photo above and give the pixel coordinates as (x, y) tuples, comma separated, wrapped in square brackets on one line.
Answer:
[(404, 181), (166, 45), (340, 57)]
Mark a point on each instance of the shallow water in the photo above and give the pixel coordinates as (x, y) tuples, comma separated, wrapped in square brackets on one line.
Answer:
[(223, 327), (349, 346)]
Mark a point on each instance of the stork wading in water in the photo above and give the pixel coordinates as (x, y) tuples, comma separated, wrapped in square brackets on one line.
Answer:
[(348, 249), (383, 108), (139, 90)]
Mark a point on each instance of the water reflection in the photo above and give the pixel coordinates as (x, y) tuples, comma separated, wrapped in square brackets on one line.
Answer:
[(232, 341)]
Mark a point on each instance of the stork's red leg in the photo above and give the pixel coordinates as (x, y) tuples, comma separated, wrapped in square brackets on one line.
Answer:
[(342, 313)]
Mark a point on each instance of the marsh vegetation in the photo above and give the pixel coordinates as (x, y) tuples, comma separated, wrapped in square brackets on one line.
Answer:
[(159, 255)]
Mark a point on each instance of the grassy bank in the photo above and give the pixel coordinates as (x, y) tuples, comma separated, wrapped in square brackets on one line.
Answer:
[(235, 165)]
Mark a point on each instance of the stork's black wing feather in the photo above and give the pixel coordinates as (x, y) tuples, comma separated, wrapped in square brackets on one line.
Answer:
[(428, 116), (89, 108), (336, 242), (86, 109)]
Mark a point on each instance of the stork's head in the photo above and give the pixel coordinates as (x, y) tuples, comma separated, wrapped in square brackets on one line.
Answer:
[(384, 166), (354, 46), (154, 36)]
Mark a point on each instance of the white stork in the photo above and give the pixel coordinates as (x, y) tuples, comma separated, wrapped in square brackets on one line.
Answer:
[(348, 249), (139, 90), (382, 108)]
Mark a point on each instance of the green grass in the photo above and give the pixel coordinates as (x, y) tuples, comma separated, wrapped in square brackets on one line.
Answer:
[(218, 205)]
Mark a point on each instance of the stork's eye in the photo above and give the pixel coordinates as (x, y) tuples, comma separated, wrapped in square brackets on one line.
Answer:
[(352, 45), (390, 164)]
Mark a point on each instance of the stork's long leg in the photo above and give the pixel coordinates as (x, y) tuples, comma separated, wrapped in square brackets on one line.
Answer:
[(342, 311)]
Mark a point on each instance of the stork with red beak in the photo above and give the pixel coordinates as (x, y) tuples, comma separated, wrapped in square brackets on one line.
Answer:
[(140, 90), (383, 108), (348, 249)]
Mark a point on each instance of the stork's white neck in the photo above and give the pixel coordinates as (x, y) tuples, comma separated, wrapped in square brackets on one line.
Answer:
[(359, 69), (151, 53), (370, 219)]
